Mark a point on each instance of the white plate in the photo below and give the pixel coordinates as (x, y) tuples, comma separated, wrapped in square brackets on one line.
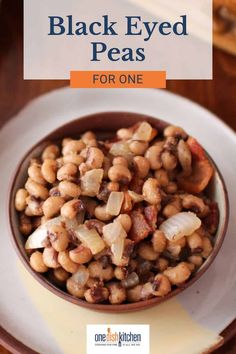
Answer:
[(212, 300)]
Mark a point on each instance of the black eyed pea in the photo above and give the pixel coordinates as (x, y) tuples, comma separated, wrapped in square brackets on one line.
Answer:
[(20, 199), (185, 157), (172, 208), (72, 147), (66, 262), (169, 161), (162, 264), (175, 131), (159, 241), (96, 294), (51, 152), (73, 158), (196, 260), (171, 188), (52, 206), (146, 251), (92, 282), (50, 257), (147, 291), (25, 225), (34, 207), (119, 173), (101, 214), (117, 293), (88, 136), (80, 254), (71, 208), (179, 274), (37, 263), (125, 221), (207, 247), (174, 247), (60, 275), (141, 166), (120, 160), (35, 173), (153, 154), (151, 191), (162, 177), (120, 273), (67, 172), (69, 189), (138, 147), (74, 288), (134, 294), (48, 169), (195, 243), (195, 204), (58, 237), (100, 271), (161, 285), (95, 158), (36, 190), (124, 133)]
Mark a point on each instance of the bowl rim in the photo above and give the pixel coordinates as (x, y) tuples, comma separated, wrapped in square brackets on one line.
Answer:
[(109, 308)]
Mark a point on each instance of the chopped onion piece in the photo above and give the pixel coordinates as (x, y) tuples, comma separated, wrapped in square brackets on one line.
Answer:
[(143, 133), (91, 181), (121, 148), (113, 231), (117, 249), (90, 239), (136, 198), (180, 225), (38, 238), (114, 203), (81, 276)]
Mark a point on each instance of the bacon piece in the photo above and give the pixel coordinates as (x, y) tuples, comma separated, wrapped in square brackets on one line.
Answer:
[(140, 228), (150, 213)]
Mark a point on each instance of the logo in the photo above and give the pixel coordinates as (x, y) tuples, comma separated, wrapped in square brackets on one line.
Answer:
[(122, 339)]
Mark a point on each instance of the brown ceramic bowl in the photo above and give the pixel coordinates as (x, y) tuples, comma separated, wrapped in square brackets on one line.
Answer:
[(104, 124)]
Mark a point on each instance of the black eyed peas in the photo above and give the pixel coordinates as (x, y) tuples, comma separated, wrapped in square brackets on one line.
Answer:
[(36, 190), (48, 170), (35, 173), (119, 173), (151, 191), (67, 172), (37, 262), (51, 152), (52, 206), (142, 166), (72, 147), (20, 199), (58, 237), (99, 217), (72, 208), (69, 189)]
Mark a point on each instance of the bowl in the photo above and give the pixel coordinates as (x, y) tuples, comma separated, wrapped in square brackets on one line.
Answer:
[(105, 124)]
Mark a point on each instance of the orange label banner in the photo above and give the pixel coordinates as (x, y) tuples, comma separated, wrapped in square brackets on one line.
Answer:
[(118, 79)]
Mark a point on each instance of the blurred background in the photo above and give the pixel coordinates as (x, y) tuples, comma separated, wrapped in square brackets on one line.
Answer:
[(218, 95)]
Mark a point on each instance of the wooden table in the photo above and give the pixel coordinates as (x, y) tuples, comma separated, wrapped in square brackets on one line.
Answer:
[(218, 95)]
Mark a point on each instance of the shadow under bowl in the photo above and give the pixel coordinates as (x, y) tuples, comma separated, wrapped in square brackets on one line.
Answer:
[(105, 124)]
